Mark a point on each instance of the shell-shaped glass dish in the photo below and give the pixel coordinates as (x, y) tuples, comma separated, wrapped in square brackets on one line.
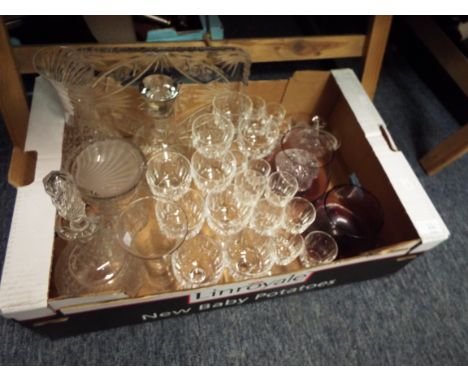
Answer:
[(107, 169)]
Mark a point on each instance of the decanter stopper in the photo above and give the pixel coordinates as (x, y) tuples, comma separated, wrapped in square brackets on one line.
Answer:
[(73, 223), (160, 92)]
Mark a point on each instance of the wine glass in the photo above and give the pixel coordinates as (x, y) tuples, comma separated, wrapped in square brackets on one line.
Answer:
[(281, 188), (288, 246), (198, 262), (212, 135), (168, 174), (226, 214), (213, 174), (299, 214), (152, 229), (249, 254)]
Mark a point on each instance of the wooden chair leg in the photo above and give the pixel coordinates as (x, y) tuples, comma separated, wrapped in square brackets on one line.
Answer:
[(446, 152), (374, 52), (13, 104)]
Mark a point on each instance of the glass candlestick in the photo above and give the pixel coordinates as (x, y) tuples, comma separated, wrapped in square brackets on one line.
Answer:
[(73, 222)]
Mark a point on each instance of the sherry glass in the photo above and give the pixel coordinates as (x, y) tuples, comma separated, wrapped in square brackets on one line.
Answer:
[(249, 186), (198, 262), (168, 174), (226, 214), (249, 254), (235, 106), (299, 214), (288, 246), (266, 217), (212, 135), (213, 174), (281, 188), (193, 204)]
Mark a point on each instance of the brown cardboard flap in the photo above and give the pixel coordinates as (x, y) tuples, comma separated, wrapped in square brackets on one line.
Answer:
[(310, 92)]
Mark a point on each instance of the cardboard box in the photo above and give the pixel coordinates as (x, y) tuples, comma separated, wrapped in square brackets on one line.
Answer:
[(368, 154)]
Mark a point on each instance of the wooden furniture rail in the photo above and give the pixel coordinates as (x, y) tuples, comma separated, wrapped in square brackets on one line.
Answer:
[(15, 61), (455, 64)]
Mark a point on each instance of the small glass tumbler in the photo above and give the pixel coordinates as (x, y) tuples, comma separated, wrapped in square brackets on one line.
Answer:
[(212, 135), (249, 255), (281, 188), (234, 106), (259, 165), (198, 262), (299, 214), (168, 174), (151, 229), (288, 246), (193, 204), (249, 186), (160, 92), (320, 248), (266, 217), (213, 174), (226, 214)]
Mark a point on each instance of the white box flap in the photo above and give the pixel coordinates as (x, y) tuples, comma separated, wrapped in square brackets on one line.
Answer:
[(25, 278), (424, 216)]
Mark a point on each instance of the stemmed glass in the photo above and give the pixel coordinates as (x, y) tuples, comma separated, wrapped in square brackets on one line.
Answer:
[(288, 246), (213, 174), (299, 214), (266, 217), (152, 229), (168, 174), (198, 262), (249, 254), (281, 188), (234, 106), (227, 214), (193, 204), (212, 135), (249, 186)]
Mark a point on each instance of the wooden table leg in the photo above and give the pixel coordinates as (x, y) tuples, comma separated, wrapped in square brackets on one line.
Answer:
[(374, 52), (13, 102), (446, 152)]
